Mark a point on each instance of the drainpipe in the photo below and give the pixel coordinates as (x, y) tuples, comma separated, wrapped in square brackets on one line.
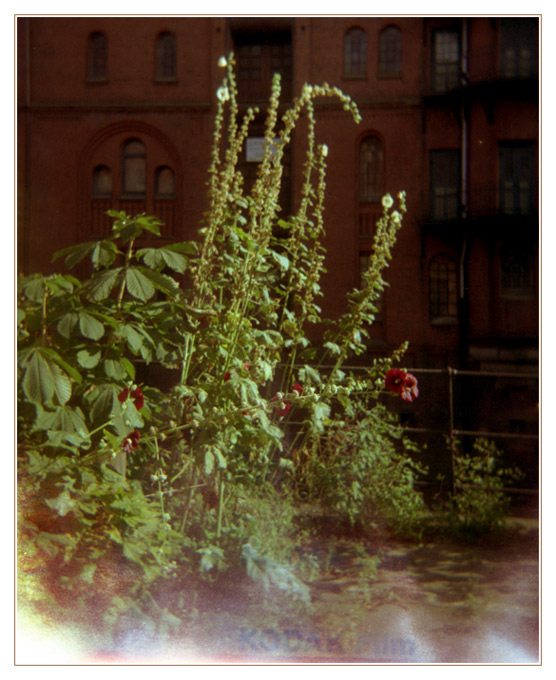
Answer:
[(464, 301)]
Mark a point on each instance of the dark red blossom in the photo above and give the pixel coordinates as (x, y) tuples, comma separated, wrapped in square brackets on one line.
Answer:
[(297, 388), (136, 395), (402, 383), (227, 376), (282, 412), (131, 442)]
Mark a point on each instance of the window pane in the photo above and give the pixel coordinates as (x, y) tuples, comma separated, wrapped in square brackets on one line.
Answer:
[(445, 189), (519, 48), (517, 185), (97, 57), (166, 63), (442, 288), (446, 67), (102, 182), (390, 51), (134, 170), (165, 183), (355, 52), (370, 170)]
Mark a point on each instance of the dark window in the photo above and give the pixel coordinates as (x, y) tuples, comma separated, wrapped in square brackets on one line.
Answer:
[(134, 169), (517, 185), (97, 58), (443, 303), (102, 182), (370, 170), (166, 58), (261, 54), (355, 53), (164, 182), (519, 48), (446, 60), (445, 184), (390, 52), (516, 274)]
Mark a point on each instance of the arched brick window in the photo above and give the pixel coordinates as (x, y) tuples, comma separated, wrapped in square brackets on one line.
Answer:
[(390, 52), (134, 169), (355, 53), (97, 58)]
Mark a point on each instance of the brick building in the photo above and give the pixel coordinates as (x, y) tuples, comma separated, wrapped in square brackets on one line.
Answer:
[(118, 113)]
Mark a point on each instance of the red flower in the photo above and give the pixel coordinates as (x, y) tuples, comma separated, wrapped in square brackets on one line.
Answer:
[(402, 383), (227, 376), (131, 442), (136, 395), (282, 412), (298, 388)]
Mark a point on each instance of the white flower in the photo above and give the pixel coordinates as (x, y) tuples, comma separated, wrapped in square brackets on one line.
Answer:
[(223, 93), (222, 62), (387, 201), (396, 217), (324, 150)]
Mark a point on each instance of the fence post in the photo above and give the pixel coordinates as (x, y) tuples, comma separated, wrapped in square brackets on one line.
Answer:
[(451, 373)]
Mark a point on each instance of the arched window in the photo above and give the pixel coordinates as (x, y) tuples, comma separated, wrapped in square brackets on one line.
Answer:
[(164, 182), (390, 52), (102, 182), (166, 57), (134, 169), (355, 53), (97, 58), (370, 170), (443, 304)]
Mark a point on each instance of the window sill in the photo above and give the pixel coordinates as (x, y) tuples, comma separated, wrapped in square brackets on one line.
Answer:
[(362, 76), (444, 321), (165, 81)]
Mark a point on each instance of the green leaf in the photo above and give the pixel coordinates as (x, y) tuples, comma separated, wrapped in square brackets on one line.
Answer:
[(161, 281), (281, 259), (100, 285), (90, 327), (43, 379), (209, 462), (86, 358), (104, 254), (129, 367), (75, 253), (70, 370), (67, 323), (138, 284), (62, 503)]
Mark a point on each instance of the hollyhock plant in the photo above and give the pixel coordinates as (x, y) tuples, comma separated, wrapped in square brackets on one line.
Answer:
[(402, 383), (135, 394)]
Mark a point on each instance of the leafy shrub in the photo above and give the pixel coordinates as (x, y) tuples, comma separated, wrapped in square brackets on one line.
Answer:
[(479, 503)]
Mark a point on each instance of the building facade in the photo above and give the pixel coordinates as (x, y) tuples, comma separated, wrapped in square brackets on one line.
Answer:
[(117, 113)]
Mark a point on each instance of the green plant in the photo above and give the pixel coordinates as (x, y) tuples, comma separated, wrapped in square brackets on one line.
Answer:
[(173, 486), (479, 502)]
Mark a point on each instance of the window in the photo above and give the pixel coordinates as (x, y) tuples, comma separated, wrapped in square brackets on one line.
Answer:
[(261, 54), (517, 186), (102, 182), (390, 52), (97, 60), (166, 58), (445, 183), (164, 182), (443, 303), (516, 274), (370, 170), (519, 48), (446, 66), (134, 169), (355, 53)]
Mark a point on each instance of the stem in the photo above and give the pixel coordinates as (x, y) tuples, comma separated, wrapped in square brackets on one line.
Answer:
[(125, 268), (220, 506)]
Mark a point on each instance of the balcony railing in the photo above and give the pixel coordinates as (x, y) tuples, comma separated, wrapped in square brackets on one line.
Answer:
[(509, 200)]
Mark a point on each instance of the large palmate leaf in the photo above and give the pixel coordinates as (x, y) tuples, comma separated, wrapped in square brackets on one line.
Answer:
[(44, 379)]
